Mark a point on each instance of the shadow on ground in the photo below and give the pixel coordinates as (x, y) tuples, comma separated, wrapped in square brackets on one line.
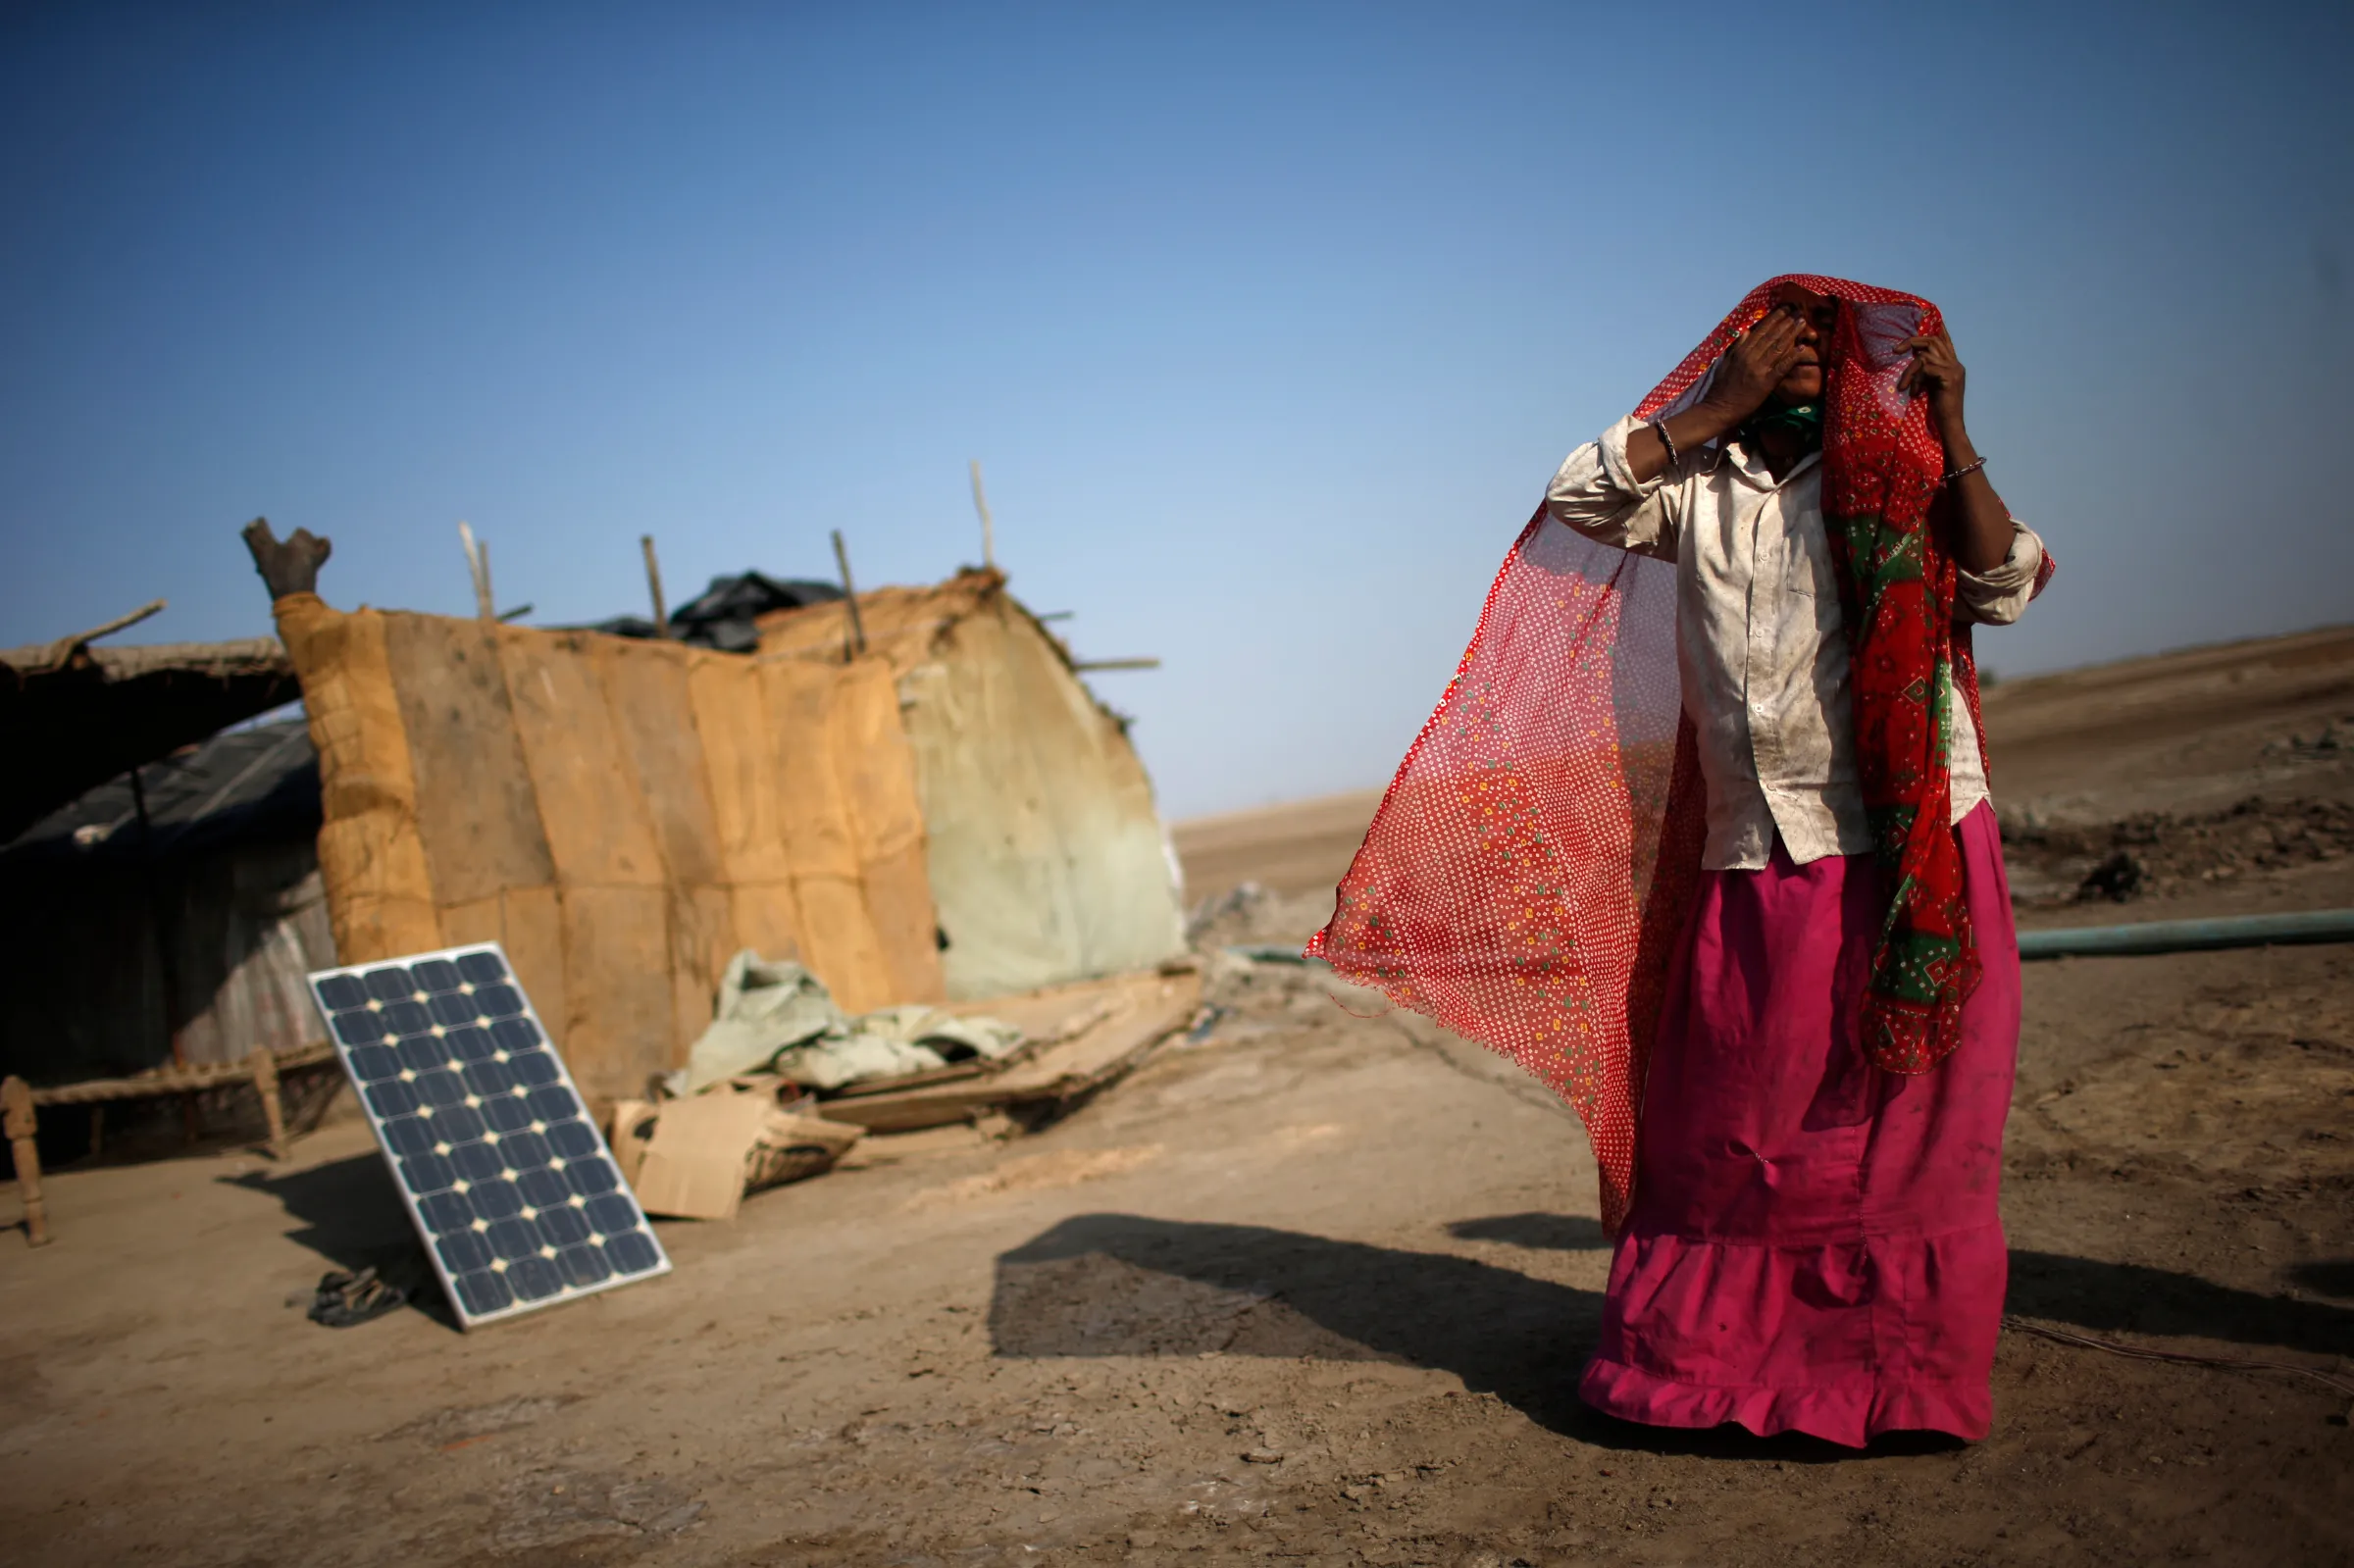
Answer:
[(353, 1217), (1126, 1285)]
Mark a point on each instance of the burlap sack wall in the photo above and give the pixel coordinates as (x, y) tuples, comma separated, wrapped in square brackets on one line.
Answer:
[(621, 816)]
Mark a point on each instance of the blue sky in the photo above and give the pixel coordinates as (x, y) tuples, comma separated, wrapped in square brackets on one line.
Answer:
[(1268, 321)]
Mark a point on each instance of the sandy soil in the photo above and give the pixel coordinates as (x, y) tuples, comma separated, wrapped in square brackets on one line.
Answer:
[(1314, 1288)]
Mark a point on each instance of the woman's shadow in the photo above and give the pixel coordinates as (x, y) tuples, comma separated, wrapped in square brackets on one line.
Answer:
[(1128, 1284)]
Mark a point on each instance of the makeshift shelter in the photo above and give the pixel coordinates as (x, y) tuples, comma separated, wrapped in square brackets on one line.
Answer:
[(75, 716), (942, 813), (179, 934)]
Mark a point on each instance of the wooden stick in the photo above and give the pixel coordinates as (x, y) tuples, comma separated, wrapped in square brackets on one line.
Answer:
[(854, 642), (653, 586), (15, 1113), (477, 562), (989, 531), (63, 649), (166, 974), (1084, 665), (288, 567), (264, 1067)]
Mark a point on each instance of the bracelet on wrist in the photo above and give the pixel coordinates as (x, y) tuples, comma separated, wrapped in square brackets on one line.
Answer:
[(1666, 440), (1964, 469)]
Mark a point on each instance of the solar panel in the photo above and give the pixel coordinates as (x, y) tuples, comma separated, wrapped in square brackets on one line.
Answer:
[(510, 1184)]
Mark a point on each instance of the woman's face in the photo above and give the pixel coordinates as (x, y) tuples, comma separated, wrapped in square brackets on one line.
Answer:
[(1817, 314)]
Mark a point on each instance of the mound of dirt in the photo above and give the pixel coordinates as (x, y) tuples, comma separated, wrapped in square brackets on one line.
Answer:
[(2159, 852)]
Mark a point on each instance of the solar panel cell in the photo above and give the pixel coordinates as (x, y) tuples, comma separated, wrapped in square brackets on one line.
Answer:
[(494, 1200), (514, 1238), (482, 1293), (341, 992), (482, 967), (498, 1001), (487, 1078), (508, 1113), (583, 1265), (523, 1151), (563, 1226), (359, 1028), (462, 1251), (389, 984), (452, 1008), (543, 1188), (592, 1178), (459, 1123), (632, 1252), (516, 1034), (428, 1173), (441, 1089), (437, 975), (610, 1216), (574, 1140), (407, 1018), (534, 1279), (372, 1063), (476, 1162), (391, 1098), (536, 1070), (471, 1044), (408, 1134)]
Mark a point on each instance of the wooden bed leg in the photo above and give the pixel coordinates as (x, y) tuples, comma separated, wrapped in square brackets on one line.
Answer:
[(264, 1067), (16, 1119)]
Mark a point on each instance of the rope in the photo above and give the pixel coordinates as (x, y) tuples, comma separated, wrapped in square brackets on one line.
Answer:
[(2138, 1352)]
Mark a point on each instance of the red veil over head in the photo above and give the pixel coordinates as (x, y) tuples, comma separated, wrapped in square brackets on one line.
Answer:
[(1528, 873)]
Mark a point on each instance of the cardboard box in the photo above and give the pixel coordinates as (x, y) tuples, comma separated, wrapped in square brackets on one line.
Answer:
[(696, 1158)]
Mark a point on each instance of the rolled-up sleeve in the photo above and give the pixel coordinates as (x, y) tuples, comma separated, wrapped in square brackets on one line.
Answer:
[(1997, 597), (1598, 495)]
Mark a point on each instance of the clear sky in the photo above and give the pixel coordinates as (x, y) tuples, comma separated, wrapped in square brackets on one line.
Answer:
[(1268, 321)]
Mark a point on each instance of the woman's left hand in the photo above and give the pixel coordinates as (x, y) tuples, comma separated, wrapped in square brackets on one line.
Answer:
[(1936, 371)]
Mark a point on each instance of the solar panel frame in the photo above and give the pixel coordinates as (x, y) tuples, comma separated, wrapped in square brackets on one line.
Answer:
[(447, 1059)]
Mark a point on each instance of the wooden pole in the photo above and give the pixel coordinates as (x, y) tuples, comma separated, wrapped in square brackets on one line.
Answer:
[(853, 636), (653, 584), (989, 532), (16, 1111), (264, 1067), (167, 975), (63, 649), (478, 563)]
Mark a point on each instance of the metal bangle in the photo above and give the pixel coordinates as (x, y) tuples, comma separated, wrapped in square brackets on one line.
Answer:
[(1965, 469), (1669, 441)]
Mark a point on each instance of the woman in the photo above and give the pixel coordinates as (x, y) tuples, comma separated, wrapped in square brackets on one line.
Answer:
[(1702, 835)]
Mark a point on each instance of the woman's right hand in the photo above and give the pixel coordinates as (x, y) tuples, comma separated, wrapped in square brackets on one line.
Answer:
[(1754, 363)]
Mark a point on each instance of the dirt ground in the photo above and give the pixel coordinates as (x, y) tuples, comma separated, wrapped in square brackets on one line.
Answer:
[(1314, 1287)]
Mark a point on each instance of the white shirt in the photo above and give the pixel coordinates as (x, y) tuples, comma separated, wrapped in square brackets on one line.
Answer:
[(1760, 642)]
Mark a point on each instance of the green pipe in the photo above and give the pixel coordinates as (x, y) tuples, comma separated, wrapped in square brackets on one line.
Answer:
[(2088, 941), (2189, 936)]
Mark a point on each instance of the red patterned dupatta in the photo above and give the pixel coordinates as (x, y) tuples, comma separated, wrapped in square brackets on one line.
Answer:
[(1530, 868)]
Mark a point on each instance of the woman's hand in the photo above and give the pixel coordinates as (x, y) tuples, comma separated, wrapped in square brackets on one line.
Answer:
[(1936, 371), (1754, 364), (1982, 527)]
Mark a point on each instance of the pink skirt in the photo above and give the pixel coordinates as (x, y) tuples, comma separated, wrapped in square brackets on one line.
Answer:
[(1814, 1244)]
